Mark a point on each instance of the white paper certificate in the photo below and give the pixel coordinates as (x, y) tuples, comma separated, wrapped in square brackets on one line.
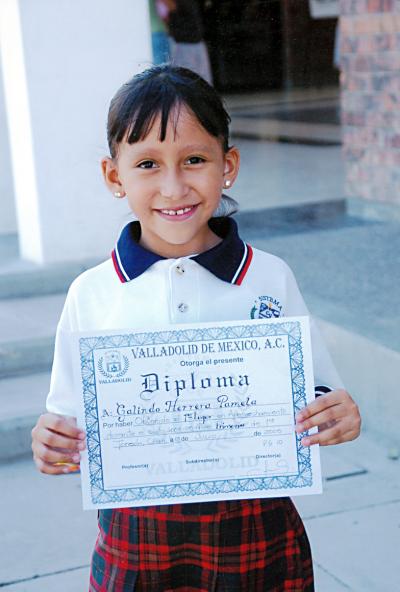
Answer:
[(195, 413)]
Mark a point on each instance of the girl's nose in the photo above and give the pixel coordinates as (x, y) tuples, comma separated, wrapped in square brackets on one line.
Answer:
[(173, 186)]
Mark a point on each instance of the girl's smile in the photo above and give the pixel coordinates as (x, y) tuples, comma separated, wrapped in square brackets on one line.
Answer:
[(179, 213), (173, 186)]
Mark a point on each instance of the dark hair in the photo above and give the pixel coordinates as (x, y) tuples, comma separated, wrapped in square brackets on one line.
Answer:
[(158, 91)]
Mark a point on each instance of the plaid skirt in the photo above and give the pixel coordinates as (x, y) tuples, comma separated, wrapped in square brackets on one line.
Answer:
[(230, 546)]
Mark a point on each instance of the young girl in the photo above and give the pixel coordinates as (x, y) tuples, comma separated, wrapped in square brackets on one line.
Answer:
[(183, 262)]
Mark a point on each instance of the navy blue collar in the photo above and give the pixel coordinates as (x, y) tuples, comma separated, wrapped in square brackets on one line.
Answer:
[(228, 261)]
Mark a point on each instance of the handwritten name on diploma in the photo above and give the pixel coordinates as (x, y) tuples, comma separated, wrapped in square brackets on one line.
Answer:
[(195, 415)]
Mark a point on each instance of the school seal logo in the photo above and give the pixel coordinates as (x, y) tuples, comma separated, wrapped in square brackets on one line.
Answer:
[(113, 365), (266, 307)]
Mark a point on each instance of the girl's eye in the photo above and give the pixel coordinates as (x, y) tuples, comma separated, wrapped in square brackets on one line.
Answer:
[(195, 160), (147, 164)]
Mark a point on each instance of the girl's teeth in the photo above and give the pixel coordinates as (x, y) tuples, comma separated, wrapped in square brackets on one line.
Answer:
[(177, 212)]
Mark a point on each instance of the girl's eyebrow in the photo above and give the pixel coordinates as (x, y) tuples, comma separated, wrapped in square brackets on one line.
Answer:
[(197, 148), (155, 150)]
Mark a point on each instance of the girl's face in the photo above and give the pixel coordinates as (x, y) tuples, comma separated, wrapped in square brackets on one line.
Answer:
[(173, 187)]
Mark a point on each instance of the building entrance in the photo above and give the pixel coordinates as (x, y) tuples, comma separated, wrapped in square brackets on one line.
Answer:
[(268, 44)]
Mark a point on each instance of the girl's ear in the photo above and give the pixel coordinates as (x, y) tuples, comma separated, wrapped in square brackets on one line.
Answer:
[(231, 166), (111, 178)]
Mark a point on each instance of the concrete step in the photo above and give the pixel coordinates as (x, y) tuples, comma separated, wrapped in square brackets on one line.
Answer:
[(25, 357), (21, 279), (22, 400), (27, 329)]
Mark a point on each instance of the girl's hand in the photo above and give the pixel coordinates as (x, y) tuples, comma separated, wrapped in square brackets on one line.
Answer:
[(336, 416), (56, 444)]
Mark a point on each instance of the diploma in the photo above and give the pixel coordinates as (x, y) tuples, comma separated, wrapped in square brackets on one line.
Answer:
[(194, 413)]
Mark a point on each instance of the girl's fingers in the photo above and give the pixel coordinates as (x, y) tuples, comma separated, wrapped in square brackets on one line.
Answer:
[(335, 414), (69, 428), (55, 469), (63, 425), (326, 416), (56, 440), (57, 431), (328, 409), (343, 431), (321, 403), (51, 455), (56, 444)]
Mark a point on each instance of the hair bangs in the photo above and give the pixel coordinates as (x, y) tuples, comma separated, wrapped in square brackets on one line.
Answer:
[(163, 103), (161, 92)]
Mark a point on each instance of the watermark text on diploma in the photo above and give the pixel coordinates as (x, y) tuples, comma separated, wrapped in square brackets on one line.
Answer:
[(202, 464)]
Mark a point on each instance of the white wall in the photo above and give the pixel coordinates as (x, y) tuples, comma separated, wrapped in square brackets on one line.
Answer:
[(62, 63), (8, 221)]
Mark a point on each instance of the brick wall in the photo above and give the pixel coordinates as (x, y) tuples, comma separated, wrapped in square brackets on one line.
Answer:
[(370, 80)]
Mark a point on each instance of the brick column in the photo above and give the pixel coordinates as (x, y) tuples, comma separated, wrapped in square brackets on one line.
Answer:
[(370, 80)]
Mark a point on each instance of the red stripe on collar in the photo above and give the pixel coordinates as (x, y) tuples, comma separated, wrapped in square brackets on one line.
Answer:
[(116, 266), (246, 265)]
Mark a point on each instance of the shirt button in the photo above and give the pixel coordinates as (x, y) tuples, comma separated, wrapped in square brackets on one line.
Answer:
[(182, 307), (180, 269)]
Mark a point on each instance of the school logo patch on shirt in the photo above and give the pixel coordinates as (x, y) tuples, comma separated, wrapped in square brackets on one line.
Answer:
[(266, 307)]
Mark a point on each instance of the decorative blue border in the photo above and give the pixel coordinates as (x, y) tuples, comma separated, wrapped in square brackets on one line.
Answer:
[(291, 329)]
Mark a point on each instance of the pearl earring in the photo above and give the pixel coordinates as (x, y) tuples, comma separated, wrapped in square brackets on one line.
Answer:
[(227, 183), (118, 194)]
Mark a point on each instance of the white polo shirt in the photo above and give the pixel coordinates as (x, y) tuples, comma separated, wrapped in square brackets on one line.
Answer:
[(137, 289)]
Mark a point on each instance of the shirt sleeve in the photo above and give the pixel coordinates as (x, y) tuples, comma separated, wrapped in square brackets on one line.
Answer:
[(326, 376), (61, 398)]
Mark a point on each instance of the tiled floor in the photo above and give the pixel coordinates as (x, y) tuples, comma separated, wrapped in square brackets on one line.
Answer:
[(274, 174), (309, 117)]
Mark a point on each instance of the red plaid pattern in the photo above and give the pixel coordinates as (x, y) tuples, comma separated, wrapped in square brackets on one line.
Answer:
[(230, 546)]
